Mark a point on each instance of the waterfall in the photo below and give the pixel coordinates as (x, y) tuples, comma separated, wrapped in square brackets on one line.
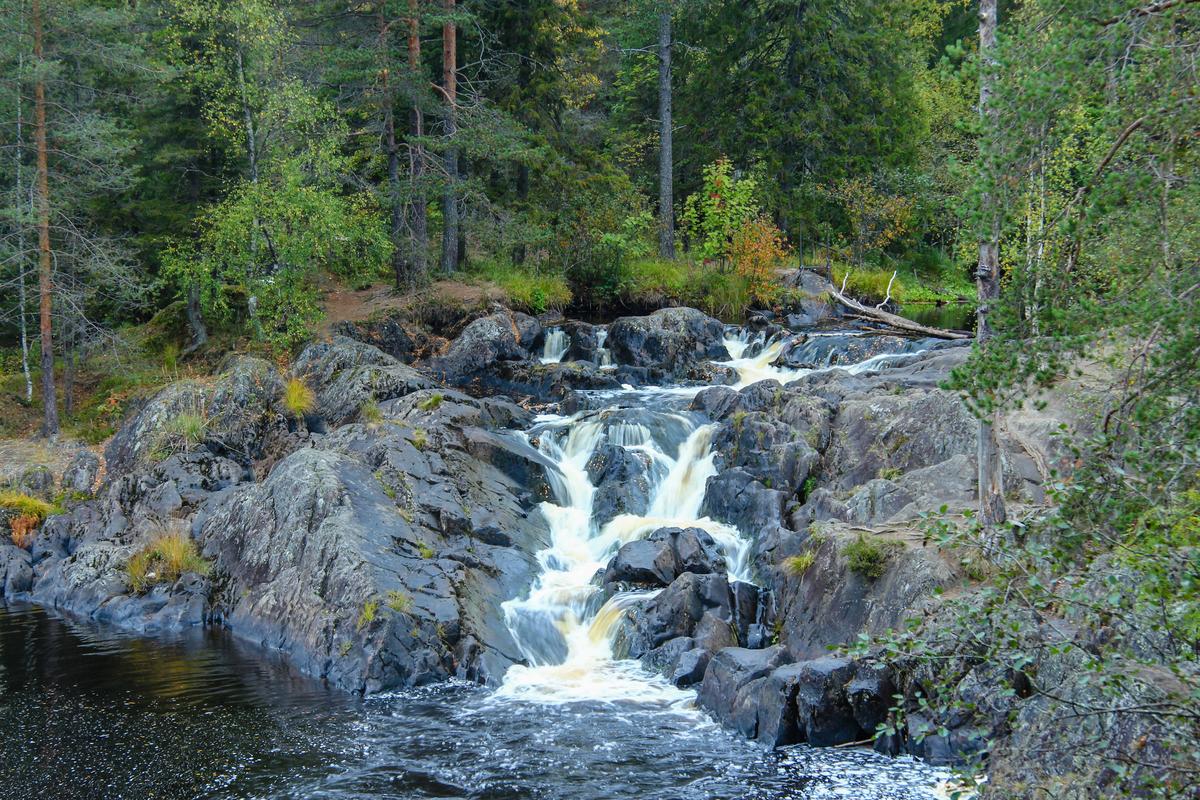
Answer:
[(556, 346), (603, 355), (562, 628)]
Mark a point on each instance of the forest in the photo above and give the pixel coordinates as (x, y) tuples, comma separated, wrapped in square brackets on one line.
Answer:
[(184, 180)]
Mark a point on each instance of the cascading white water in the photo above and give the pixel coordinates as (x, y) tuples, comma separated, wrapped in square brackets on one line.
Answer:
[(603, 355), (565, 638), (563, 629), (761, 367), (556, 345)]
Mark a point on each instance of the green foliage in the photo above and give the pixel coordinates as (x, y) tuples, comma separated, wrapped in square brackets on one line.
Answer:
[(425, 551), (717, 211), (527, 288), (164, 560), (868, 557), (259, 250)]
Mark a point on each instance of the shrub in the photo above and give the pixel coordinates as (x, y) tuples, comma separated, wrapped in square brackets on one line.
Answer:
[(757, 251), (23, 527), (399, 602), (867, 558), (298, 397), (797, 565), (712, 216), (164, 560)]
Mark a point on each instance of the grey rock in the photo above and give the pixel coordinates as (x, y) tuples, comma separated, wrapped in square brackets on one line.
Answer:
[(670, 339)]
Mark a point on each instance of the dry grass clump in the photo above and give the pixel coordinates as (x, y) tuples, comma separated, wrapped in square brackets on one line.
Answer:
[(164, 560)]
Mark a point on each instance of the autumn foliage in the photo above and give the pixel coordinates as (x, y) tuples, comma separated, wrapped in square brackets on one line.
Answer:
[(757, 251)]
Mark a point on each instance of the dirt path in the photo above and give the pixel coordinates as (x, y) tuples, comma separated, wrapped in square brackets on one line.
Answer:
[(344, 304)]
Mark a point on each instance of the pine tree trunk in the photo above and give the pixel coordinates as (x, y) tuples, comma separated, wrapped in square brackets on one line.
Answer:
[(45, 274), (666, 203), (400, 265), (419, 223), (987, 280), (450, 88), (19, 159)]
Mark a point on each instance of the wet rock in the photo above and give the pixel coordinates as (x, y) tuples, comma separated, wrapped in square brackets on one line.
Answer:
[(822, 708), (670, 339), (728, 672), (584, 341), (690, 667), (870, 694), (830, 604), (716, 402), (16, 570), (663, 556), (699, 606), (622, 481)]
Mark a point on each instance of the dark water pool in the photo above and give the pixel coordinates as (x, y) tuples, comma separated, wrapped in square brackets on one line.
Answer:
[(87, 712)]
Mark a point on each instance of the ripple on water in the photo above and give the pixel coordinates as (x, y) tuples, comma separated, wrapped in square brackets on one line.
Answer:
[(87, 712)]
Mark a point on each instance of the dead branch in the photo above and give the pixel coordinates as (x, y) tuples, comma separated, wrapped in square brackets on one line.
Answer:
[(891, 320)]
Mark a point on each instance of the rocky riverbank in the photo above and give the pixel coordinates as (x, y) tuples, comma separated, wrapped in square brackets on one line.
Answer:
[(373, 536)]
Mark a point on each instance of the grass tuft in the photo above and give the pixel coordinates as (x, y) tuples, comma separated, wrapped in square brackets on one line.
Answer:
[(164, 560), (797, 565), (22, 503), (868, 558), (369, 611), (298, 397), (431, 403), (370, 413), (399, 602)]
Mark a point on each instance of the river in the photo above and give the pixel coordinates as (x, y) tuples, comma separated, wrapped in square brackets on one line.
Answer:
[(91, 712)]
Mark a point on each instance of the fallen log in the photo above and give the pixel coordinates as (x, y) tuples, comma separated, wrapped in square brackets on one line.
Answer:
[(892, 320)]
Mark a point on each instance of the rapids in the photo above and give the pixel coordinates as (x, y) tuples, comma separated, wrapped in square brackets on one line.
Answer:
[(92, 712)]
